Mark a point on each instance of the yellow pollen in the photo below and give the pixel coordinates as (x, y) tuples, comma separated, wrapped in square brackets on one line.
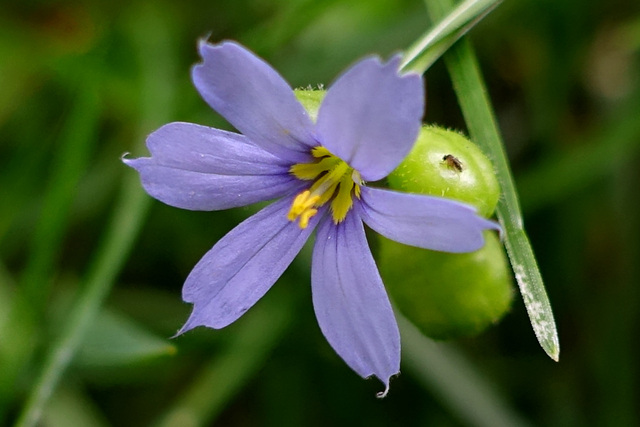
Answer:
[(302, 207), (334, 181)]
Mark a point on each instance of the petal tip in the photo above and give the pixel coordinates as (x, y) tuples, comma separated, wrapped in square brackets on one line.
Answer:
[(383, 394), (196, 319), (394, 62), (132, 163), (185, 328), (387, 386), (205, 46)]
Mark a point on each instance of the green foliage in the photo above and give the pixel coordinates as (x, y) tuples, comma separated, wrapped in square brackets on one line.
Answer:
[(84, 83)]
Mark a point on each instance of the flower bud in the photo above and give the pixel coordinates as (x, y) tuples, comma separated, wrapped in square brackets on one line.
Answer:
[(311, 99)]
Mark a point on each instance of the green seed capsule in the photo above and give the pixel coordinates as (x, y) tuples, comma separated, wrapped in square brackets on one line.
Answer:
[(448, 295), (445, 163)]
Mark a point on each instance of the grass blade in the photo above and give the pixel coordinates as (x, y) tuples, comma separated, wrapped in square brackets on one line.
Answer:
[(478, 113), (129, 213), (428, 48)]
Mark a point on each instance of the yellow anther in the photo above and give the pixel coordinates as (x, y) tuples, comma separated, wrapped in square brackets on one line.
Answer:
[(310, 171), (320, 151), (305, 216), (335, 181), (302, 207)]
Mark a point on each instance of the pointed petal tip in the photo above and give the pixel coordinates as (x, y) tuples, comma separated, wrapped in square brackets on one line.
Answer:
[(383, 394), (497, 227), (387, 387), (195, 320), (132, 162), (124, 159), (204, 43), (189, 325), (394, 63)]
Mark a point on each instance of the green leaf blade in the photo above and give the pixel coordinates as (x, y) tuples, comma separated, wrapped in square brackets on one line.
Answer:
[(435, 42), (481, 122)]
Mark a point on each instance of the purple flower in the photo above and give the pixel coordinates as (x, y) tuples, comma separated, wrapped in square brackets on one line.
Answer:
[(366, 125)]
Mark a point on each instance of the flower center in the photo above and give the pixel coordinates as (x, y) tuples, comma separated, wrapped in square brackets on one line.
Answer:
[(335, 181)]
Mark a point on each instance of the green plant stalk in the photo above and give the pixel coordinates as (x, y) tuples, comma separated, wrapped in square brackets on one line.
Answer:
[(478, 113)]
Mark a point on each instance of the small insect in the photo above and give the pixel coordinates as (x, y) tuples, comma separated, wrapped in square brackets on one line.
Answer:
[(452, 162)]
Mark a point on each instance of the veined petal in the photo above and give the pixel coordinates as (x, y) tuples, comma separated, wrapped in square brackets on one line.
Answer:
[(350, 301), (424, 221), (200, 168), (203, 149), (371, 116), (243, 266), (255, 99)]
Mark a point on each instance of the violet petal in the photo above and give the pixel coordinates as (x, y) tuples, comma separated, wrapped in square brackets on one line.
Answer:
[(200, 168), (424, 221), (371, 116), (243, 266), (350, 301), (255, 99)]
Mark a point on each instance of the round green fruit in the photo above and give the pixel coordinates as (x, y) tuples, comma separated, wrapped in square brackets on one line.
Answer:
[(445, 163), (448, 295)]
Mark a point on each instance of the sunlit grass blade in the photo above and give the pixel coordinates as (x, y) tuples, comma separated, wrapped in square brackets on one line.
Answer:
[(453, 380), (478, 113), (428, 48)]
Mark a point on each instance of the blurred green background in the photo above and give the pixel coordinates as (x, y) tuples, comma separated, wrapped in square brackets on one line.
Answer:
[(81, 83)]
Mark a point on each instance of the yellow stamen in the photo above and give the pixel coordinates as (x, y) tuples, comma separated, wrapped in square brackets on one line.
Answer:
[(335, 181), (302, 206), (320, 151), (305, 216), (310, 171)]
